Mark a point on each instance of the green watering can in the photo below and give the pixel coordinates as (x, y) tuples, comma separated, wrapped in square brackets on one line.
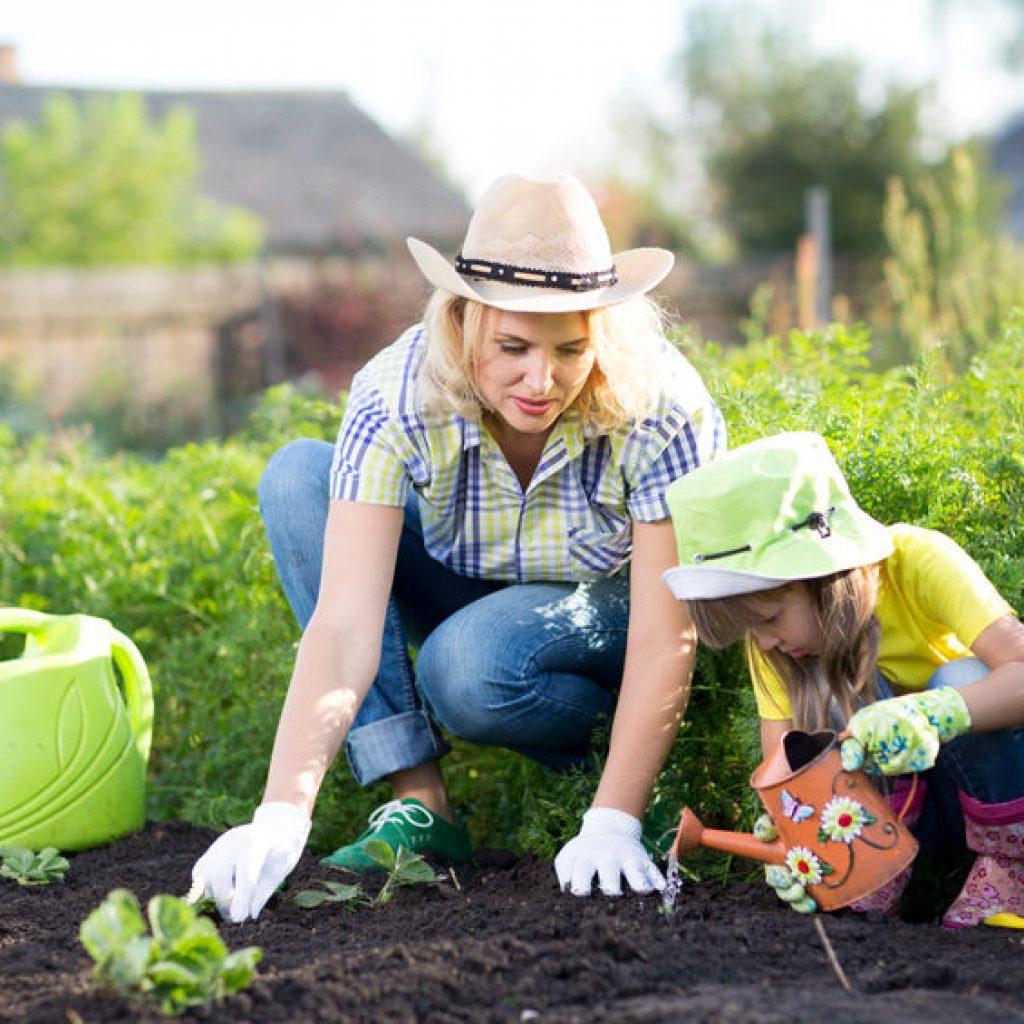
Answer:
[(73, 749)]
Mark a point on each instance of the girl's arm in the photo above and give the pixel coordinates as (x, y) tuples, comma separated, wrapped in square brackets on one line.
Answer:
[(997, 700), (772, 731), (660, 651), (339, 650)]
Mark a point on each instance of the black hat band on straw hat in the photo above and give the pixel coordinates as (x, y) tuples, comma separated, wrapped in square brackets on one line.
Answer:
[(535, 278)]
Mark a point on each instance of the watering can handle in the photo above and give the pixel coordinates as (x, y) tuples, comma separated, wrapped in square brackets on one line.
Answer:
[(138, 689), (846, 734), (21, 619)]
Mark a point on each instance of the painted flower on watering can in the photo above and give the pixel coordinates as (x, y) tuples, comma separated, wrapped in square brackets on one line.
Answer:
[(842, 820), (806, 866)]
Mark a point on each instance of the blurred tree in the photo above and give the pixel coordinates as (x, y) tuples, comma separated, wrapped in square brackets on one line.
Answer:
[(97, 183), (774, 120)]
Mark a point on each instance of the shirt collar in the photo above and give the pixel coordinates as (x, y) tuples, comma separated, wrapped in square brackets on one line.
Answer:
[(569, 433)]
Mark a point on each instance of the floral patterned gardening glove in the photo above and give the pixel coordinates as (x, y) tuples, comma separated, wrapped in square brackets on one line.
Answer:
[(786, 884), (903, 734)]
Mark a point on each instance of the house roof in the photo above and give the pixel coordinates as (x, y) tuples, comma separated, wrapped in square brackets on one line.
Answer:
[(1008, 160), (321, 174)]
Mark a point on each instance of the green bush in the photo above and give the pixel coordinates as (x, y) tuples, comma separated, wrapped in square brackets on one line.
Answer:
[(173, 552)]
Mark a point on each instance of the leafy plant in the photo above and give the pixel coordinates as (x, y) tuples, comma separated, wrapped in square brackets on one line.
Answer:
[(403, 868), (183, 963), (953, 277), (26, 867), (333, 892)]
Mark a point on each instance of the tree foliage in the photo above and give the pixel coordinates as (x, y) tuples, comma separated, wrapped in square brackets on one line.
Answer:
[(775, 121), (97, 183)]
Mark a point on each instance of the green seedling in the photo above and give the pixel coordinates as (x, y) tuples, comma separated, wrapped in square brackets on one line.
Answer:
[(402, 869), (350, 896), (26, 867), (179, 961)]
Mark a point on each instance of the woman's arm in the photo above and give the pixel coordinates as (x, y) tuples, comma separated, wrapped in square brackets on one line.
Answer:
[(660, 651), (339, 651), (997, 700)]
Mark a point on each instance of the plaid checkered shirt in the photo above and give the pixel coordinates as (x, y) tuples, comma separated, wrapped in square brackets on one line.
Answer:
[(573, 523)]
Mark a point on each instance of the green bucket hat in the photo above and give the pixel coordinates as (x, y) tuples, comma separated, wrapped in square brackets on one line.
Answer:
[(765, 514)]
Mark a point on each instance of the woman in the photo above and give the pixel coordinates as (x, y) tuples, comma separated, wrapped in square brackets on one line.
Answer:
[(499, 469)]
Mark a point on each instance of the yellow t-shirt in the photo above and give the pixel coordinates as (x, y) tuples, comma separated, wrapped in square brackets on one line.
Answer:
[(933, 603)]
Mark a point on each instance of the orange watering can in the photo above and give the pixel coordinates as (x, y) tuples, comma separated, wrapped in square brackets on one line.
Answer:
[(836, 831), (73, 746)]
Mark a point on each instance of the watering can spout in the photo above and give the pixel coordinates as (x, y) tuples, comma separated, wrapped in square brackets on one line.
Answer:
[(692, 833)]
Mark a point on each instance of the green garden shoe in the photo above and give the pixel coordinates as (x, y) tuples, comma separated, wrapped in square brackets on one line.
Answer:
[(410, 824)]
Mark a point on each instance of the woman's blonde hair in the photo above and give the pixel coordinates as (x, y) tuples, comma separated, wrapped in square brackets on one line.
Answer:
[(845, 670), (623, 387)]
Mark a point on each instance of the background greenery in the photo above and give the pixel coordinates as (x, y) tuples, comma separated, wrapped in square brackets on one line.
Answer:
[(172, 551), (97, 183)]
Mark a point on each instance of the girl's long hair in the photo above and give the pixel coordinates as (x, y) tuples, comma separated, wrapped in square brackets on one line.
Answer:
[(844, 672), (623, 387)]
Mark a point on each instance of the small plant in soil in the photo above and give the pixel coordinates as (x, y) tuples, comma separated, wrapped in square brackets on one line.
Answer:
[(26, 867), (179, 961), (403, 868)]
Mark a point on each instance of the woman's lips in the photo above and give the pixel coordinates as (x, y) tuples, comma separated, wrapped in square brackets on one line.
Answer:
[(532, 407)]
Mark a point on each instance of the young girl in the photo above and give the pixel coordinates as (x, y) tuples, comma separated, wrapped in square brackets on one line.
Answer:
[(892, 633)]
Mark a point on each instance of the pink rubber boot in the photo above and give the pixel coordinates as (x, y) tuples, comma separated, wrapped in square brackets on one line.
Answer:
[(994, 890), (906, 801)]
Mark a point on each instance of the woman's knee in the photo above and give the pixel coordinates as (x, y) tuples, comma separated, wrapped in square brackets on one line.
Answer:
[(297, 471), (459, 686)]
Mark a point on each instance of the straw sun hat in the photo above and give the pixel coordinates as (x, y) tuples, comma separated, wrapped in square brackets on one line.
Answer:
[(540, 247), (766, 514)]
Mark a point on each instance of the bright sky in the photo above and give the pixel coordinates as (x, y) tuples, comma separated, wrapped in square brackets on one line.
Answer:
[(529, 86)]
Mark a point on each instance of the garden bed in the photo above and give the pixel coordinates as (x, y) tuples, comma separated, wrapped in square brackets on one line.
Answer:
[(505, 945)]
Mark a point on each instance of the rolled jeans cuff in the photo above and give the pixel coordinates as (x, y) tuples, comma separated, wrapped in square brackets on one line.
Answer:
[(392, 745)]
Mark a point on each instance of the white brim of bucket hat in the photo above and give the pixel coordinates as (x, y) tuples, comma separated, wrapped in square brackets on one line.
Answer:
[(691, 584), (638, 271)]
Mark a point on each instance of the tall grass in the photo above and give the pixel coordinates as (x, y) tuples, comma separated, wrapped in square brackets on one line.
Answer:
[(172, 551)]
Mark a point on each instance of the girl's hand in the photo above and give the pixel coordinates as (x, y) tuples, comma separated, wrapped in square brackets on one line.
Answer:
[(903, 734)]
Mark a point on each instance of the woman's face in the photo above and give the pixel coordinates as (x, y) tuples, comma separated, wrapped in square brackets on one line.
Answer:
[(787, 620), (532, 367)]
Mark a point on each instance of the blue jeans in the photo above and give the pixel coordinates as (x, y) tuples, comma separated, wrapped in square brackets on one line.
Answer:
[(532, 667), (988, 766)]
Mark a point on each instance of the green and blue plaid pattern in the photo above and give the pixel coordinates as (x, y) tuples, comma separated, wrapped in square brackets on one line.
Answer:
[(573, 521)]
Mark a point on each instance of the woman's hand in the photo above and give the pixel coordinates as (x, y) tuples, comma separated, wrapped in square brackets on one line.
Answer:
[(608, 846), (244, 867)]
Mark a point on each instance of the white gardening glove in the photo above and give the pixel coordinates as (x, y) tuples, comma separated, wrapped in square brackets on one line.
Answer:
[(609, 846), (244, 867)]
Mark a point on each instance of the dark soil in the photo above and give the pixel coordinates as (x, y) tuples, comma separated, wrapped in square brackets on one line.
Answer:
[(507, 946)]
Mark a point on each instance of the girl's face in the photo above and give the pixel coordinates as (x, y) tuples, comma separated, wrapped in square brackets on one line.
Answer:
[(787, 620), (532, 367)]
